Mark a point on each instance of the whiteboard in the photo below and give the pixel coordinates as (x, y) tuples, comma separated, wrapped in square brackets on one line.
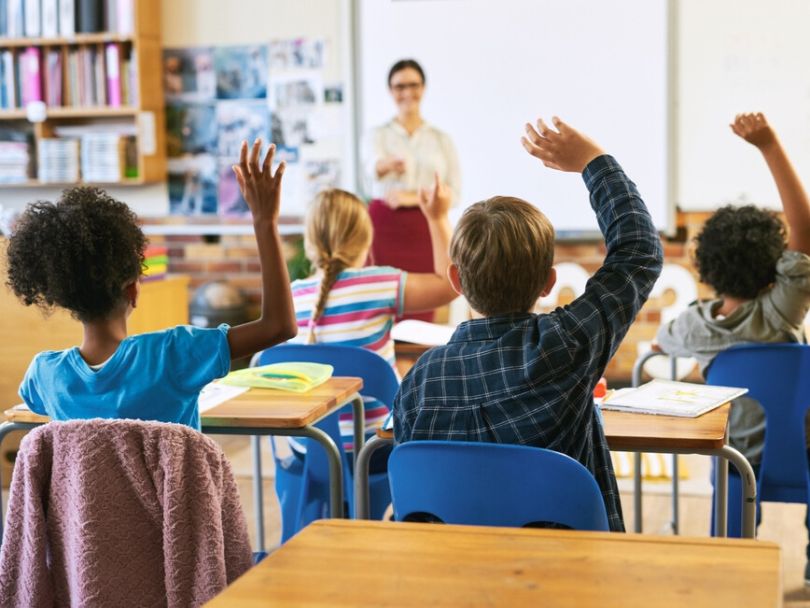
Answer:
[(738, 56), (492, 66)]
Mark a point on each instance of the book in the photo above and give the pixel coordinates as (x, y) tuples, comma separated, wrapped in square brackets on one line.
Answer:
[(3, 18), (67, 18), (53, 77), (33, 24), (9, 79), (422, 332), (50, 18), (670, 398), (125, 15)]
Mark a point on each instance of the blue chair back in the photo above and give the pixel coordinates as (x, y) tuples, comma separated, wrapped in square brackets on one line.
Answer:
[(778, 377), (379, 381), (490, 484)]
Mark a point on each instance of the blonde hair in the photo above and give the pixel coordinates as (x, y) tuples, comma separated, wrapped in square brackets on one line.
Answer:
[(504, 249), (338, 231)]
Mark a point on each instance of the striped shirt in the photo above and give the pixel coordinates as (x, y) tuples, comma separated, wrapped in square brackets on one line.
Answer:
[(360, 311)]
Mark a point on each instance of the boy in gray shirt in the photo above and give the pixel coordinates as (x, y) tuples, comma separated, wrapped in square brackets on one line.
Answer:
[(762, 281)]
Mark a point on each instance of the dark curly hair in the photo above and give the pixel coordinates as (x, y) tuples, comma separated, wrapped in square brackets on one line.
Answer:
[(78, 253), (737, 250)]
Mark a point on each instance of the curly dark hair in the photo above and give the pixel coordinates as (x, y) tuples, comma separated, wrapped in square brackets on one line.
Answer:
[(78, 253), (737, 250)]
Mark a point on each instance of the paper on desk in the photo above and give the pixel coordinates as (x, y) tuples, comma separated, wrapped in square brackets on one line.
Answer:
[(421, 332), (671, 398), (215, 393)]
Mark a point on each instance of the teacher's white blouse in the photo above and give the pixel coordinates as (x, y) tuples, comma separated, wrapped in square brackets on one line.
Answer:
[(425, 151)]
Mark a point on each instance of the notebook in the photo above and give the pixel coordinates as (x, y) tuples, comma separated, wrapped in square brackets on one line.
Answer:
[(296, 376), (669, 398)]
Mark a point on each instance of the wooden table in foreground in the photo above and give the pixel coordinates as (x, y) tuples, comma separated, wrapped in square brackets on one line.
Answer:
[(264, 412), (705, 434), (356, 563)]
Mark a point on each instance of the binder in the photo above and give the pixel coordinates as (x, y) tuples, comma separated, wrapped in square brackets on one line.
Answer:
[(113, 56), (15, 24), (33, 23), (126, 17), (89, 16), (3, 18), (50, 18), (67, 18), (9, 79), (30, 75)]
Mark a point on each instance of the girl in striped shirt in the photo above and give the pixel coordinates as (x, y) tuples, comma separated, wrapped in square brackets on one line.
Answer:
[(346, 302)]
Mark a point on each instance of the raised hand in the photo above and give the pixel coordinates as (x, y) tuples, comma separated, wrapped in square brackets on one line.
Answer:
[(435, 202), (260, 187), (564, 149), (754, 128)]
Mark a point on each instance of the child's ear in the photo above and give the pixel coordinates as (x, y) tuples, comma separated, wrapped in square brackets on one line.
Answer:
[(550, 282), (455, 280), (132, 291)]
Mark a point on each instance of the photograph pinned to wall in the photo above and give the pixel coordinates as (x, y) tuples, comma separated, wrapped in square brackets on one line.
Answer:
[(241, 71), (239, 121), (302, 91), (191, 129), (231, 203), (319, 175), (291, 128), (296, 54), (188, 74), (333, 93), (192, 185), (289, 155)]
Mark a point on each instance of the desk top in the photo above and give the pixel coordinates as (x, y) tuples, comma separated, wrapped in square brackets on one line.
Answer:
[(355, 563), (261, 407), (645, 432)]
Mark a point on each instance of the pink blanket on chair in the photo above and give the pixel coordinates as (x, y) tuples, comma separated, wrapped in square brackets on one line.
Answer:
[(120, 513)]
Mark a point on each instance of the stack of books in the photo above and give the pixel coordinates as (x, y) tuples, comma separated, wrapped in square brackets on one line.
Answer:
[(51, 18), (15, 160), (157, 263), (58, 160), (102, 156)]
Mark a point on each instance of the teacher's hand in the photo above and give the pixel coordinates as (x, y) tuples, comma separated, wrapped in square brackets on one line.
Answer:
[(390, 165), (435, 202)]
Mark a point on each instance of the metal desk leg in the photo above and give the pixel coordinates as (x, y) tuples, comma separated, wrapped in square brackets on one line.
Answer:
[(258, 490), (637, 517), (361, 491), (359, 410), (749, 489), (335, 468), (675, 523)]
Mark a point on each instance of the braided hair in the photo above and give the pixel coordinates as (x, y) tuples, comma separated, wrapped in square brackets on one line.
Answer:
[(338, 232)]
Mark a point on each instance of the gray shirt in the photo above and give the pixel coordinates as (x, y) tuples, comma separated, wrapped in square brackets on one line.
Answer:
[(775, 315)]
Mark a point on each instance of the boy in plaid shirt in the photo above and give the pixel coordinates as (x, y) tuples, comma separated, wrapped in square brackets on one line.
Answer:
[(512, 376)]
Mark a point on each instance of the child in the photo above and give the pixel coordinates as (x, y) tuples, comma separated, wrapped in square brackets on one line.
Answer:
[(515, 377), (349, 303), (762, 282), (85, 254)]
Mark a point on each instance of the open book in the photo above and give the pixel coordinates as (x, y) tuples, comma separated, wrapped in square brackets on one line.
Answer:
[(669, 398)]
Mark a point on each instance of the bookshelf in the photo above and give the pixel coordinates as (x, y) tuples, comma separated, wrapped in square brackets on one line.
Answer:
[(103, 89)]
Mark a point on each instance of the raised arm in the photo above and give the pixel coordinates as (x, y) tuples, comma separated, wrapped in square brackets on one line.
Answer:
[(426, 291), (262, 191), (614, 295), (754, 129)]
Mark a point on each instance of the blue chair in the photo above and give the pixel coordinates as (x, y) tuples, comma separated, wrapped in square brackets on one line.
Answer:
[(302, 485), (489, 484), (778, 377)]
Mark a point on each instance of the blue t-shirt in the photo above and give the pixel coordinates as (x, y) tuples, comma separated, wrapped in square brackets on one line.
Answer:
[(154, 376)]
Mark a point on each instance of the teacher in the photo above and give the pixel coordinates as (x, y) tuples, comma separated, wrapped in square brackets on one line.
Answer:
[(402, 156)]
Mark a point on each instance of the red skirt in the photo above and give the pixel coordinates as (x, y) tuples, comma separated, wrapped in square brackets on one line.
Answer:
[(401, 240)]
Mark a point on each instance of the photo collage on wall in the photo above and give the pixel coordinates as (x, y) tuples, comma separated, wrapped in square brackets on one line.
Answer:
[(216, 97)]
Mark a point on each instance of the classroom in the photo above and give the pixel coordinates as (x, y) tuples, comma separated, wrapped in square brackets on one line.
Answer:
[(404, 303)]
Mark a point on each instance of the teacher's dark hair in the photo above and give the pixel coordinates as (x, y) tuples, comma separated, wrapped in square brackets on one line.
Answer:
[(404, 64)]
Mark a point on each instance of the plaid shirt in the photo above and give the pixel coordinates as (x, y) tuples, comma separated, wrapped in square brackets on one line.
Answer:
[(528, 379)]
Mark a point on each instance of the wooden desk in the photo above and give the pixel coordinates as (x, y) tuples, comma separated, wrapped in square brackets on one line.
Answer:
[(264, 412), (352, 563), (638, 433)]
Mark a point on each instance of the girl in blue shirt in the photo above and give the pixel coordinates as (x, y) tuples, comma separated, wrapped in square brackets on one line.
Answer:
[(84, 253)]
